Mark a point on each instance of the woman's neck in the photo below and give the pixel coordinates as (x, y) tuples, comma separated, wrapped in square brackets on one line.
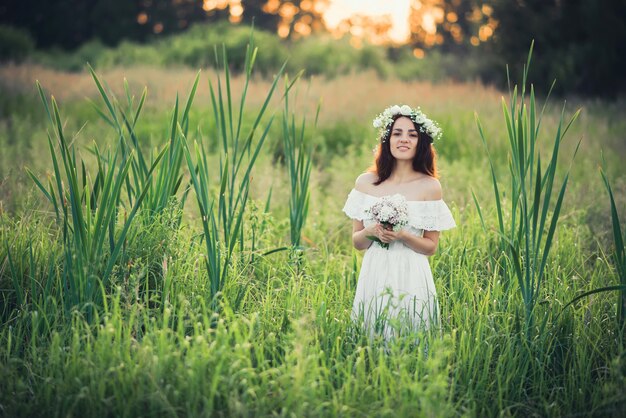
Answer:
[(402, 172)]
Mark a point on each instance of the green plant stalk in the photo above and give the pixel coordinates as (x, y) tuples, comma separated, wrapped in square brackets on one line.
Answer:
[(88, 216), (224, 214), (298, 158), (619, 256), (168, 176), (527, 240)]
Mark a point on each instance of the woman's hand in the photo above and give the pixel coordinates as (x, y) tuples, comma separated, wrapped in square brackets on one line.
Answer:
[(388, 235), (384, 234), (372, 230)]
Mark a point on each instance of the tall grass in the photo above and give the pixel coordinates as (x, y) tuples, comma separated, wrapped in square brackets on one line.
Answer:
[(169, 176), (31, 269), (619, 261), (291, 350), (298, 157), (527, 234), (87, 212), (619, 256), (222, 212)]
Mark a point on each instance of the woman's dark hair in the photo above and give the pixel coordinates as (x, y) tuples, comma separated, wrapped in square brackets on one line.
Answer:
[(424, 161)]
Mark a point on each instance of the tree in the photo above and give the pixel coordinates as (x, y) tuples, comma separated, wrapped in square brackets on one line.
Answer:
[(578, 42), (287, 18), (69, 23), (63, 23), (452, 26), (254, 10)]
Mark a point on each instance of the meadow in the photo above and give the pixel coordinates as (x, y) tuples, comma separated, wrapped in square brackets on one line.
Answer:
[(185, 256)]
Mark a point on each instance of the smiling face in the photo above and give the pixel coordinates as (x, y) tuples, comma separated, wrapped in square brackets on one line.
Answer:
[(403, 140)]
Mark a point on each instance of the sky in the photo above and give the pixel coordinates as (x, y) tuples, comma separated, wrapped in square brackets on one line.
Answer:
[(397, 9)]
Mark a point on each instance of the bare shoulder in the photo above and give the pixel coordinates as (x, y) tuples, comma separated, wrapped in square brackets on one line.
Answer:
[(365, 180), (431, 188)]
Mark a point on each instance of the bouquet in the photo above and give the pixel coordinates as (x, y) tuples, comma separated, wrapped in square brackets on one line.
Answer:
[(390, 211)]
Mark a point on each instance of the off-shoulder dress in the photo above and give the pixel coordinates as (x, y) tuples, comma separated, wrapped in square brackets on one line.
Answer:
[(395, 291)]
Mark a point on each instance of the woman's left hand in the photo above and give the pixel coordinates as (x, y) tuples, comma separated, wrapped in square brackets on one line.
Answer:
[(389, 235)]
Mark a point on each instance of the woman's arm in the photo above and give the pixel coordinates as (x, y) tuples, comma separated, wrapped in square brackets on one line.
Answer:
[(360, 233), (426, 245)]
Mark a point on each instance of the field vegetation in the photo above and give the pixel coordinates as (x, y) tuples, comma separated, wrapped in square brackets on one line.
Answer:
[(174, 253)]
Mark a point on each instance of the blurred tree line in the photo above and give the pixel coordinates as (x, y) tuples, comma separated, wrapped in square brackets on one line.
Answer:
[(69, 23), (578, 42)]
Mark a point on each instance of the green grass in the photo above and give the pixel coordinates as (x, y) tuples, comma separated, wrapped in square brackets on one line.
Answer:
[(290, 348), (278, 341), (534, 212)]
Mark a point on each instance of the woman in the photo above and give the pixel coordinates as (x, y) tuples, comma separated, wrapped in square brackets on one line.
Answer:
[(395, 290)]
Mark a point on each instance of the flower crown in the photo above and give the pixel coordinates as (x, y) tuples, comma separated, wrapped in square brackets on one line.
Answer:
[(384, 120)]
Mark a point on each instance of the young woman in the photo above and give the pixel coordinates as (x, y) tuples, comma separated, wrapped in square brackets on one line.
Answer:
[(395, 290)]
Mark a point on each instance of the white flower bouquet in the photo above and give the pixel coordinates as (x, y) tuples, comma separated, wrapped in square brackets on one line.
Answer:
[(391, 212)]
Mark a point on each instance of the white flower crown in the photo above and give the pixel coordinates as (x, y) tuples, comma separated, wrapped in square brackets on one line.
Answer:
[(384, 120)]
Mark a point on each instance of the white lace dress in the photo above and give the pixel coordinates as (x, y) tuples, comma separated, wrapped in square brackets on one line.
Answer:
[(395, 292)]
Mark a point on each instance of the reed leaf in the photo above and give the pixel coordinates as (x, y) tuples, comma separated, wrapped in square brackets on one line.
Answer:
[(528, 237), (223, 214), (86, 211), (169, 175), (298, 157), (619, 256)]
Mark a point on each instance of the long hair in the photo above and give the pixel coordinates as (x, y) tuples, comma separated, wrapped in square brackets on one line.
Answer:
[(425, 160)]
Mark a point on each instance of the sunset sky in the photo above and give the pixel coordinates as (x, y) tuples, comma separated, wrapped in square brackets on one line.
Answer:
[(397, 9)]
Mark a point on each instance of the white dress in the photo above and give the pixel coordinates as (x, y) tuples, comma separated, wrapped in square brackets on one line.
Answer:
[(395, 291)]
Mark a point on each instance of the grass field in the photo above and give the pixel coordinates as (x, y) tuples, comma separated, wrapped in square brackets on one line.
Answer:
[(144, 337)]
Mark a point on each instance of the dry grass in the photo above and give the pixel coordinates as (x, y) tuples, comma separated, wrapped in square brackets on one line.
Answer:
[(346, 97)]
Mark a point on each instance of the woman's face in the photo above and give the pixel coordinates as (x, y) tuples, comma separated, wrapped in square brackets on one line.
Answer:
[(403, 140)]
